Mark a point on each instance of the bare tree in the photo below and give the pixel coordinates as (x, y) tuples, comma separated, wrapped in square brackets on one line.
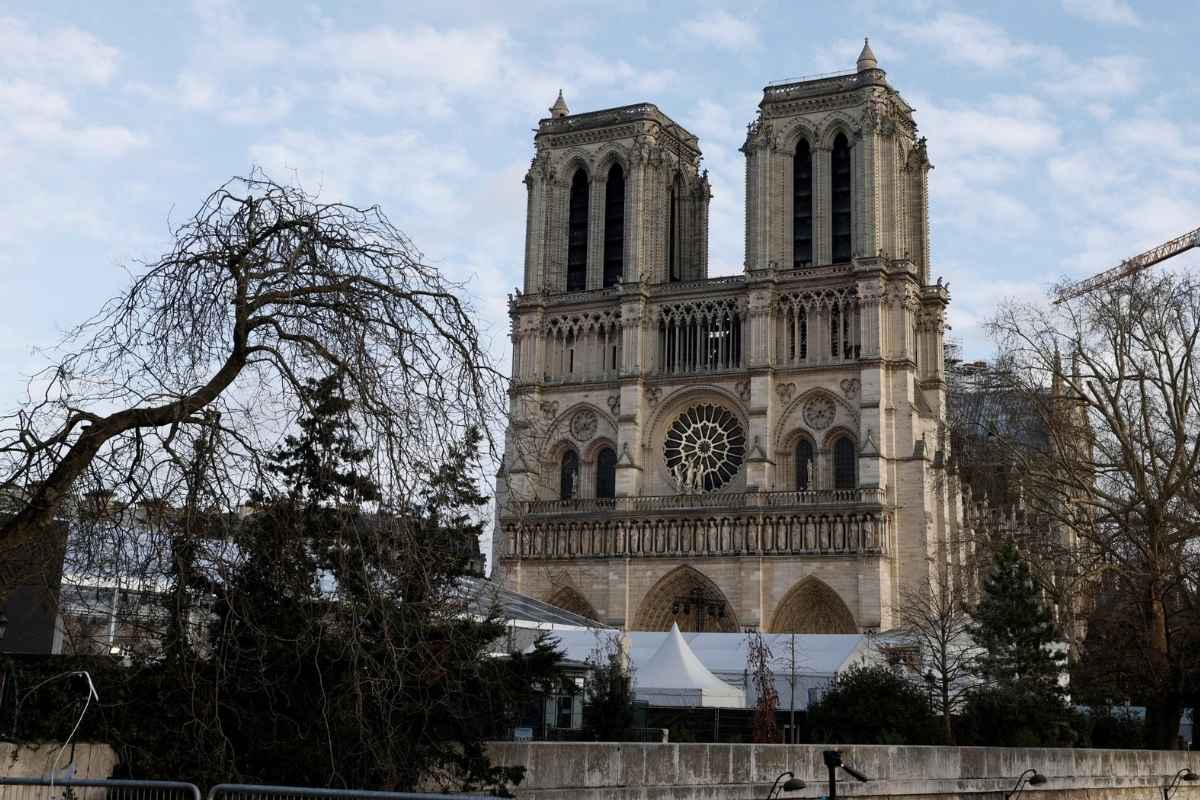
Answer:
[(206, 352), (937, 620), (766, 704), (1113, 378)]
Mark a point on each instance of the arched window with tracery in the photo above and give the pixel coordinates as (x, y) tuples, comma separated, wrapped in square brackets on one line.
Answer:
[(614, 225), (804, 465), (840, 199), (577, 233), (568, 476), (845, 464), (802, 206), (606, 473), (674, 268)]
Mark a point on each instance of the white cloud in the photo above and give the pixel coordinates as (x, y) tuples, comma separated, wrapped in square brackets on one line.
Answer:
[(1100, 78), (1116, 12), (35, 115), (964, 39), (1013, 125), (723, 30), (66, 54)]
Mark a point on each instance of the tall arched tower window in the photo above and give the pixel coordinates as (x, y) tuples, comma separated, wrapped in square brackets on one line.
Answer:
[(845, 464), (839, 193), (568, 476), (577, 233), (614, 225), (802, 208), (674, 269), (804, 465), (606, 473)]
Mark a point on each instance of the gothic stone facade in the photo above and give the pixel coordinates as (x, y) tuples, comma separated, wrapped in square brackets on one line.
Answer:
[(759, 450)]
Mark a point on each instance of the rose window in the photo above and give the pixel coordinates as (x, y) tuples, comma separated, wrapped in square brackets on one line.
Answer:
[(704, 448)]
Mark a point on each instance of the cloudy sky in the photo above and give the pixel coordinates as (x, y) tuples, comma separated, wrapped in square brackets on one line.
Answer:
[(1063, 132)]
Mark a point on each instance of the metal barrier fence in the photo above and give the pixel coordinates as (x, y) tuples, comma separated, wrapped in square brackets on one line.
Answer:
[(245, 791), (83, 789)]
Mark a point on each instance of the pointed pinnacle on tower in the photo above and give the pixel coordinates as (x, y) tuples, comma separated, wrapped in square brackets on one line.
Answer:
[(866, 59), (559, 109)]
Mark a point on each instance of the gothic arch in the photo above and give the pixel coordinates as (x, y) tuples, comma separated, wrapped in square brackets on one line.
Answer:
[(569, 599), (656, 612), (788, 428), (559, 431), (811, 606), (611, 154), (575, 160), (835, 125), (799, 130)]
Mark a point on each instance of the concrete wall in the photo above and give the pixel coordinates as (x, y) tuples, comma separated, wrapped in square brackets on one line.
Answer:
[(626, 771), (95, 761)]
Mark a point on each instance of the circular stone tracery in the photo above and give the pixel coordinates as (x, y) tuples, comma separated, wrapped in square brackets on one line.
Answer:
[(704, 448)]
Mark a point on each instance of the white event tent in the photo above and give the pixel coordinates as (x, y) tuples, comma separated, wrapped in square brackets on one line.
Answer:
[(675, 677)]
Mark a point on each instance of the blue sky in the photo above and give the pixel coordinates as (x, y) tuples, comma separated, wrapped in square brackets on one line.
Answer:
[(1063, 133)]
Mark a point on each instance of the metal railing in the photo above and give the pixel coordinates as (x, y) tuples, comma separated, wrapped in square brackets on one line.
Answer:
[(86, 789), (711, 501), (249, 791)]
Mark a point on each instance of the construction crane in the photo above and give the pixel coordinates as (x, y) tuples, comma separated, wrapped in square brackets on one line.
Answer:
[(1131, 265)]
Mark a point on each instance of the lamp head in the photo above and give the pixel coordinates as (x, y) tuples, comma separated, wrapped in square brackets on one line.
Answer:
[(1037, 779), (793, 785), (833, 758), (1188, 775)]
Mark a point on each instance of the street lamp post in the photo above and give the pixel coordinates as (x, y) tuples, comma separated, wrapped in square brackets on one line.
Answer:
[(1034, 777), (792, 784), (833, 760), (1184, 774)]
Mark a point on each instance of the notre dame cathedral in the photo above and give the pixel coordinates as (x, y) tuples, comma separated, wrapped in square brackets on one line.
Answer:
[(763, 450)]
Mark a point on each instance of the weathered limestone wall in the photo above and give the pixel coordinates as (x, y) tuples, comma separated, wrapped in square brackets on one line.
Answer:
[(94, 761), (613, 771)]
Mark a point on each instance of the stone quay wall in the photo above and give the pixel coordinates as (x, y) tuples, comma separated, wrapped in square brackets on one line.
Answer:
[(625, 771)]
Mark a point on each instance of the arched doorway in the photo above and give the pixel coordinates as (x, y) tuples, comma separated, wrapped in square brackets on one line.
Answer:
[(688, 598), (571, 600), (812, 607)]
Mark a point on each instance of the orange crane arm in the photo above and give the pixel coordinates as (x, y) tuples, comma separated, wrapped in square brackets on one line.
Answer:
[(1131, 265)]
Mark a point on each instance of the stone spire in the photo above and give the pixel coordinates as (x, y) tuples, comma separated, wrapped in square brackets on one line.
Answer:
[(559, 109), (866, 59)]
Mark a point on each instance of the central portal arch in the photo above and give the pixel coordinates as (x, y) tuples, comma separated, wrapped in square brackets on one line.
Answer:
[(812, 607), (674, 599)]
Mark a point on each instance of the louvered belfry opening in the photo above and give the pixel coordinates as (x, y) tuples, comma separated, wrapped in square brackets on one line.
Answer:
[(614, 225), (802, 206), (577, 233), (840, 198)]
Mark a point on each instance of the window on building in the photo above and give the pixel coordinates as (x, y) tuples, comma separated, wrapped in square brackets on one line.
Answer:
[(845, 464), (839, 192), (568, 476), (577, 233), (804, 465), (606, 473), (614, 225), (673, 265), (802, 209)]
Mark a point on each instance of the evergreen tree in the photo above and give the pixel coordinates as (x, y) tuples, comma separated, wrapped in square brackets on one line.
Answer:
[(1013, 630), (873, 705)]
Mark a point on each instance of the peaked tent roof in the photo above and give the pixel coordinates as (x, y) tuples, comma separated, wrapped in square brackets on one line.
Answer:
[(675, 666)]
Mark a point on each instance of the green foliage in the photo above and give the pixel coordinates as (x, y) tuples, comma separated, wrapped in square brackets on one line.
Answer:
[(873, 705), (1014, 632), (1006, 716), (609, 711), (344, 648)]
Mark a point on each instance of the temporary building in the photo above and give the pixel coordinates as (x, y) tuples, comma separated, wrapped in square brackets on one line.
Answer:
[(674, 676)]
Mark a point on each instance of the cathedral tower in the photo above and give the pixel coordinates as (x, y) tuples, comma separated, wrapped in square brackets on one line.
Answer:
[(759, 450)]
